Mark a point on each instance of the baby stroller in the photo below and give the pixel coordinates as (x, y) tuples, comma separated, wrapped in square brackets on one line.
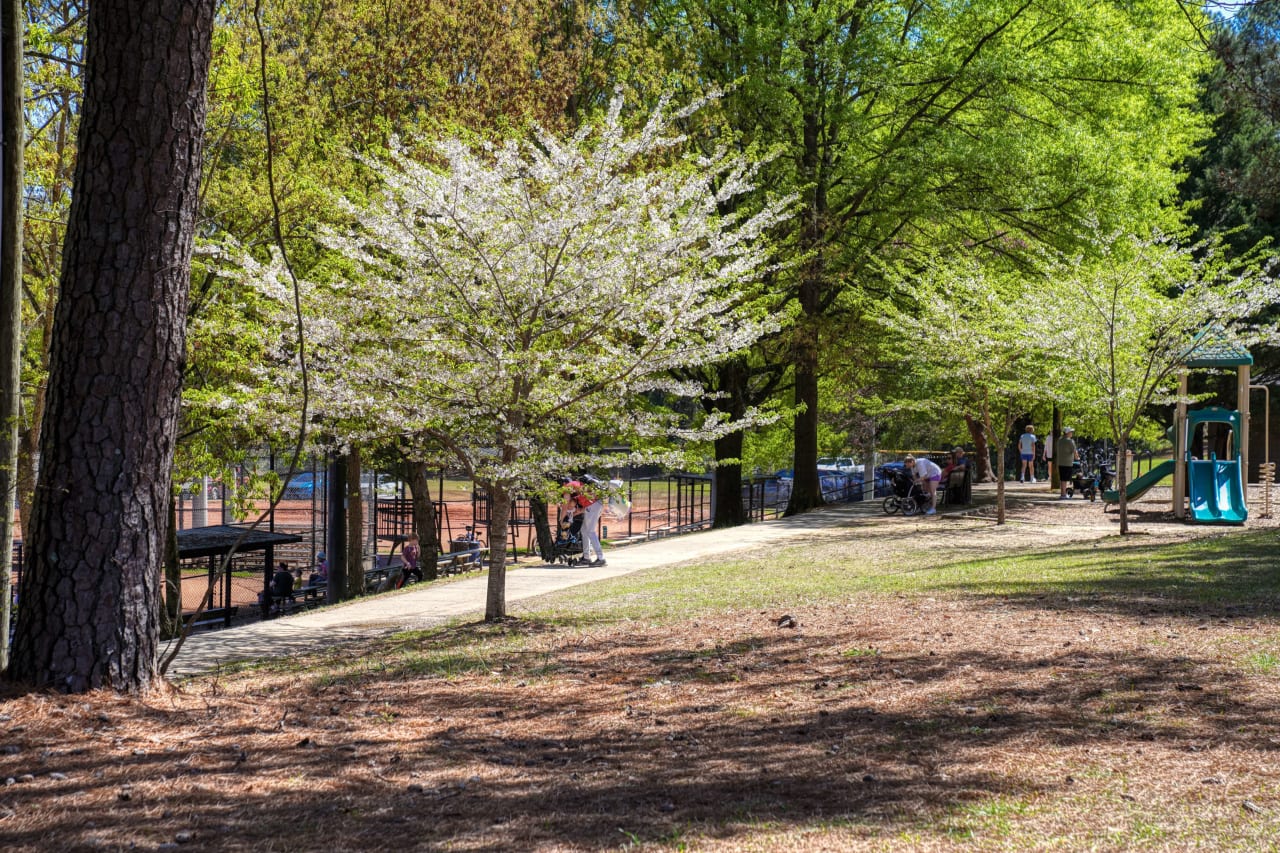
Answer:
[(568, 545), (1089, 483), (907, 495)]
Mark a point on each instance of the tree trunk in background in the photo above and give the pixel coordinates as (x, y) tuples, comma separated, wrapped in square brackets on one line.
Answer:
[(542, 527), (29, 437), (171, 597), (336, 547), (495, 603), (89, 612), (981, 451), (806, 490), (355, 526), (1055, 481), (12, 133), (728, 510), (424, 518)]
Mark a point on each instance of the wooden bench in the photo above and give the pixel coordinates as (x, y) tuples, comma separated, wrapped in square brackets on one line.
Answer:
[(458, 562), (303, 598)]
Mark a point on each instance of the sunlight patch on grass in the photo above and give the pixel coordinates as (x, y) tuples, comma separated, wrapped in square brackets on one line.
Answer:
[(1227, 569), (1264, 662)]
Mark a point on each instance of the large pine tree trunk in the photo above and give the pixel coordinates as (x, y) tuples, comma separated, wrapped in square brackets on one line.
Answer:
[(88, 614)]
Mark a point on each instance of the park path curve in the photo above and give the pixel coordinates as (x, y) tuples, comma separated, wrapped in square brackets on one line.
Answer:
[(1044, 522), (429, 605)]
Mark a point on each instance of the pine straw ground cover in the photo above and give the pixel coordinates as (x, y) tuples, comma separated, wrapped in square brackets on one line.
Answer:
[(932, 684)]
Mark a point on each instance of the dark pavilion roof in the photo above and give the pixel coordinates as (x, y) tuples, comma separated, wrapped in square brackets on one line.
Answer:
[(219, 539)]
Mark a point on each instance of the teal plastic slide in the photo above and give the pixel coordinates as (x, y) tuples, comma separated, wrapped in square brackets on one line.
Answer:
[(1141, 485), (1216, 491)]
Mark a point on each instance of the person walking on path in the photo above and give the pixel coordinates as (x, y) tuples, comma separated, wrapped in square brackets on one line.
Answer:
[(1066, 455), (1027, 452)]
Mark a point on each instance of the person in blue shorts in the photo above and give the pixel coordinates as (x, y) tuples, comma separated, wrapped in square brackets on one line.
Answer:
[(1027, 452)]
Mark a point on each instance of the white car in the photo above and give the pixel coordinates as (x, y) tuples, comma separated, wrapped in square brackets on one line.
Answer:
[(842, 464)]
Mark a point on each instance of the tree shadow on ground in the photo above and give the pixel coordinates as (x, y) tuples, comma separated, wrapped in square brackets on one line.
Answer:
[(647, 735)]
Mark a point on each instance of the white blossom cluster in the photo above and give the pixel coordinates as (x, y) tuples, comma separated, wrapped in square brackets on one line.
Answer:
[(499, 300)]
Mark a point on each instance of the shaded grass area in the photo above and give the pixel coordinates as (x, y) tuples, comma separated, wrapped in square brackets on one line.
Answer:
[(1114, 697)]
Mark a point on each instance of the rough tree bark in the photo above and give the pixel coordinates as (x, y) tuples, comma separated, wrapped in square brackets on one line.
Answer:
[(729, 511), (424, 518), (89, 614), (495, 602), (11, 180), (981, 450), (355, 526)]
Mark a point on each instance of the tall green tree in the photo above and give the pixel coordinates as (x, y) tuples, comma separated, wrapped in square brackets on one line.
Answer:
[(1233, 184), (906, 126)]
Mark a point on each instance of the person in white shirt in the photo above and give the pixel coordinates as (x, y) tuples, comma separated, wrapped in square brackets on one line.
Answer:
[(928, 475)]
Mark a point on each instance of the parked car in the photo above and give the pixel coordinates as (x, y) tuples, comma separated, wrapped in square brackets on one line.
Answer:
[(843, 464), (302, 487)]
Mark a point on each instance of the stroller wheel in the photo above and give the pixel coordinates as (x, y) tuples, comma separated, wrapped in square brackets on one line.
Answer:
[(891, 505), (910, 506)]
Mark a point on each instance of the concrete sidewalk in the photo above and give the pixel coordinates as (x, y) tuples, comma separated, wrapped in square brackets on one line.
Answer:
[(428, 605)]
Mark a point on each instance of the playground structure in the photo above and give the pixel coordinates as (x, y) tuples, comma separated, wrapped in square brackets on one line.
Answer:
[(1210, 480)]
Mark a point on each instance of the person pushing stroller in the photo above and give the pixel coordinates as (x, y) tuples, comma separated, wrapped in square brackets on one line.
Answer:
[(583, 506), (928, 475)]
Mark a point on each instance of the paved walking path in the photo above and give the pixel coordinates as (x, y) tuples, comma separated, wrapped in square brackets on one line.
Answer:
[(428, 605)]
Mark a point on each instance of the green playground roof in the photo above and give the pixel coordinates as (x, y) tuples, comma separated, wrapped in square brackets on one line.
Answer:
[(1210, 349)]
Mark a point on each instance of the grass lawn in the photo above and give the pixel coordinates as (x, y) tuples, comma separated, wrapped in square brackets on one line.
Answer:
[(898, 687)]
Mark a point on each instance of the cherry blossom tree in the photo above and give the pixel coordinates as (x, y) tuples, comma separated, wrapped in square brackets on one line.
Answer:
[(1137, 307), (522, 304)]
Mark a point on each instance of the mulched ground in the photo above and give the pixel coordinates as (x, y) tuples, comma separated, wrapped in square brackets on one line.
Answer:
[(889, 722)]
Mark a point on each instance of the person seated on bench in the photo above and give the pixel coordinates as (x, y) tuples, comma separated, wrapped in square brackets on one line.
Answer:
[(959, 465), (320, 574), (281, 586), (959, 462)]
